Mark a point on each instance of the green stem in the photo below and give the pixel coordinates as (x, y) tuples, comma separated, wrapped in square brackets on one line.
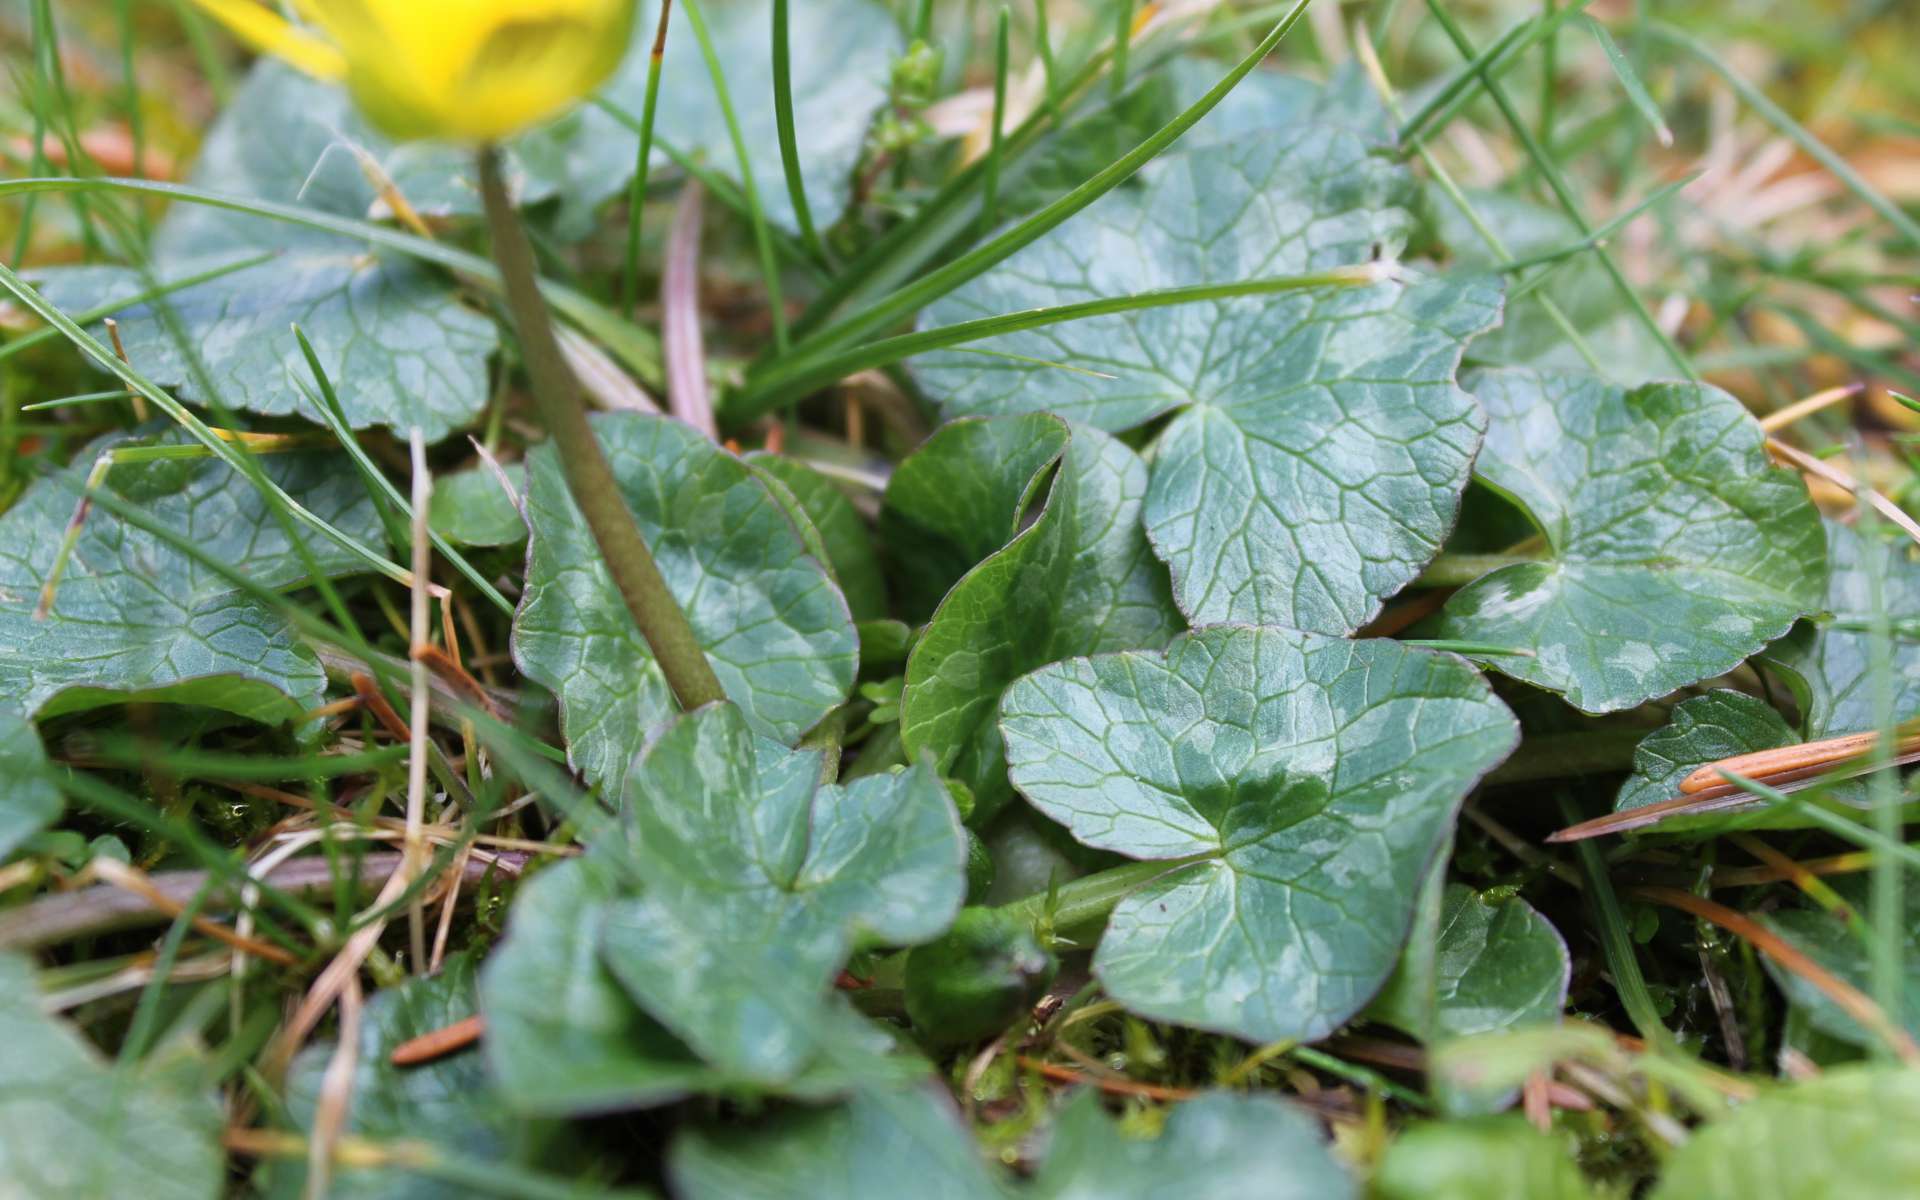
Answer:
[(1458, 570), (1088, 899), (589, 478), (1616, 941)]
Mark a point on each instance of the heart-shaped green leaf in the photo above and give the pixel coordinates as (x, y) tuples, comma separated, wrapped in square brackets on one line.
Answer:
[(1844, 1130), (1223, 1146), (757, 881), (1674, 549), (395, 340), (1315, 778), (136, 616), (72, 1125), (562, 1035), (1497, 963), (774, 627), (1321, 446), (1079, 580)]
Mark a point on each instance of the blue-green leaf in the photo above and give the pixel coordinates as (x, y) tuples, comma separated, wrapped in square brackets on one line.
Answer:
[(1319, 446), (393, 336), (1314, 777), (1675, 549)]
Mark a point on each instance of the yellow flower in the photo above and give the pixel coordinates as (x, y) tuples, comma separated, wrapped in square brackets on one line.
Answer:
[(462, 70)]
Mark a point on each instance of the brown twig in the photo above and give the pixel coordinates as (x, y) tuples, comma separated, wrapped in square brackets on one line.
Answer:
[(105, 909), (439, 1043), (1113, 1085), (134, 880)]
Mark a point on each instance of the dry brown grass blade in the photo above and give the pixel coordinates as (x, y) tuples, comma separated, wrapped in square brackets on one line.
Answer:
[(1848, 998), (1822, 469), (332, 1106)]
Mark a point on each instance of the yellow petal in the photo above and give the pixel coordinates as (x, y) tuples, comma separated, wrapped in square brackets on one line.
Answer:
[(473, 70), (270, 33)]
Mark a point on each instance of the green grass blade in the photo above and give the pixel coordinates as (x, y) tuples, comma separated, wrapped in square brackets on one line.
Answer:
[(89, 316), (763, 242), (377, 481), (1562, 192), (791, 378), (1792, 130), (789, 143), (1630, 82), (221, 448), (1495, 61), (637, 189), (990, 189)]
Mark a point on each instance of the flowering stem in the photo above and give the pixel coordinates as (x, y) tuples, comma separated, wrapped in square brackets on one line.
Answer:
[(589, 478)]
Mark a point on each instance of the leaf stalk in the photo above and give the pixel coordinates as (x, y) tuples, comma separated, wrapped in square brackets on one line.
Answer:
[(589, 477)]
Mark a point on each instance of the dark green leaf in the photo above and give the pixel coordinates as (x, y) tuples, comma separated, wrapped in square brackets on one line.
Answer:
[(1498, 963), (1702, 730), (1844, 1132), (565, 1037), (1223, 1146), (774, 626), (1320, 445), (877, 1146), (72, 1126), (135, 617), (1317, 777), (1675, 549), (451, 1103), (959, 497), (470, 508), (883, 1145), (757, 882), (1079, 580), (29, 797), (562, 1035), (395, 340)]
